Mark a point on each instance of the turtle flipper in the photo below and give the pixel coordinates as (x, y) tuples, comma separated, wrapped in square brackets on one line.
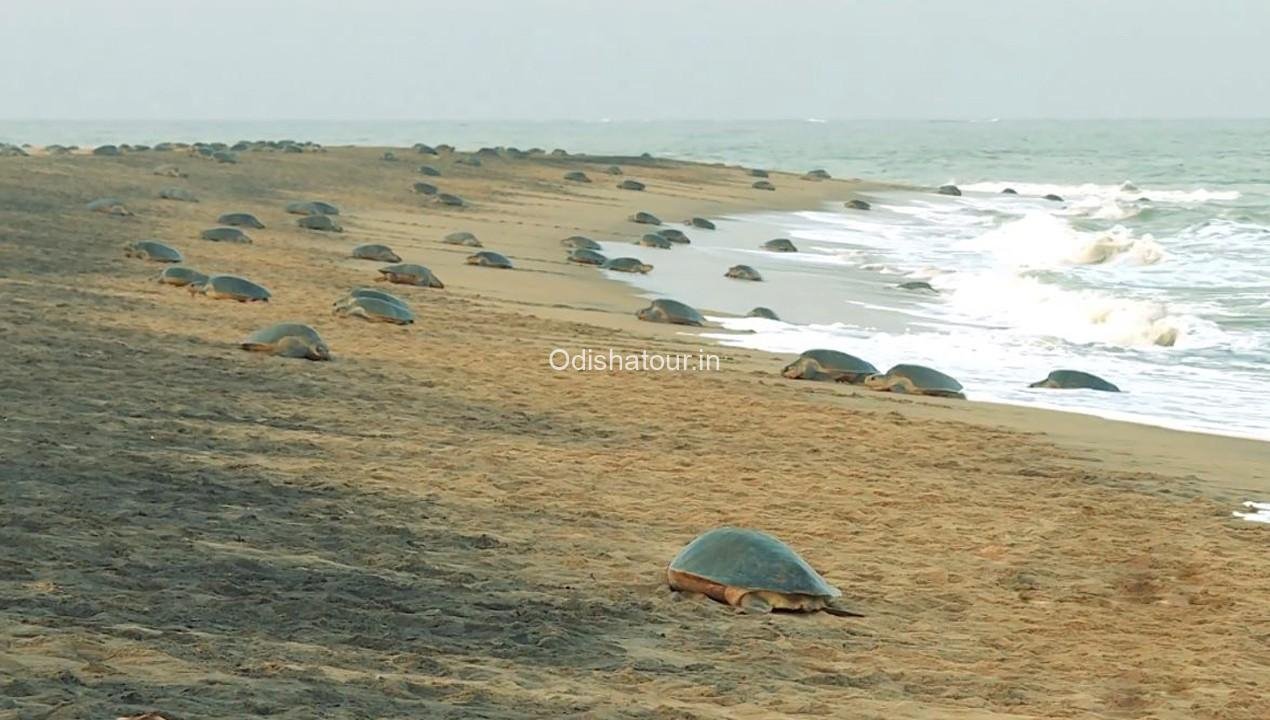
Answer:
[(833, 608), (754, 604)]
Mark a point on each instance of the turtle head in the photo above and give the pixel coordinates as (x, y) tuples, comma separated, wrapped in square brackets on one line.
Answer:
[(794, 370), (875, 381), (196, 287), (1046, 383), (319, 351), (644, 314)]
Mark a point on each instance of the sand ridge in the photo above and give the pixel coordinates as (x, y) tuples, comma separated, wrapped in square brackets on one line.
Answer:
[(437, 524)]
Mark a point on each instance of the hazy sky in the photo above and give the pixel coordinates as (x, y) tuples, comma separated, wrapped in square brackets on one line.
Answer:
[(633, 59)]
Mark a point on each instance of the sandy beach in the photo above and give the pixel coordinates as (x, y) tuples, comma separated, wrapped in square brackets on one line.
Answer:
[(438, 524)]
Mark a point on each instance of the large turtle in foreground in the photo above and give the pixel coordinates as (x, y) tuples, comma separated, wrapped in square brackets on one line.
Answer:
[(671, 311), (409, 274), (230, 287), (829, 366), (753, 572), (743, 272), (153, 251), (1074, 380), (915, 380), (292, 340)]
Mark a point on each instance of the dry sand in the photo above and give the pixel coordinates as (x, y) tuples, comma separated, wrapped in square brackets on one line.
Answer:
[(436, 524)]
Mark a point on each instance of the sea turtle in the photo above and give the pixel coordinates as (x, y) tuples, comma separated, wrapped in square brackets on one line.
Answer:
[(366, 292), (153, 251), (409, 274), (312, 207), (389, 157), (577, 176), (580, 242), (586, 257), (675, 236), (424, 149), (613, 170), (670, 311), (230, 287), (699, 222), (627, 264), (429, 171), (555, 152), (168, 171), (106, 151), (756, 172), (57, 150), (780, 245), (324, 223), (381, 253), (817, 174), (375, 310), (109, 206), (239, 219), (181, 276), (858, 204), (487, 258), (631, 185), (763, 185), (445, 148), (225, 156), (461, 237), (177, 193), (645, 218), (949, 190), (762, 312), (451, 200), (225, 234), (1053, 198), (290, 340), (164, 147), (753, 572), (829, 366), (424, 188), (655, 240), (1009, 191), (743, 272), (915, 380), (1074, 380), (918, 285), (10, 150), (469, 161)]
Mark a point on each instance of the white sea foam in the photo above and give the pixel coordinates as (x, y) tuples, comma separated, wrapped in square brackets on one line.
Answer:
[(1107, 192), (1039, 240), (1258, 512)]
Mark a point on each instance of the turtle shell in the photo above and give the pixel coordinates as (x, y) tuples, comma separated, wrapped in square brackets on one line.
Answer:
[(700, 222), (232, 286), (177, 193), (314, 207), (323, 223), (674, 311), (411, 274), (487, 258), (645, 218), (580, 242), (382, 253), (675, 236), (835, 364), (587, 257), (181, 276), (1075, 380), (461, 237), (762, 312), (780, 245), (153, 251), (925, 378), (743, 272), (577, 176), (239, 219), (627, 264), (655, 240), (225, 234), (372, 293), (376, 309), (750, 560), (305, 341), (451, 200)]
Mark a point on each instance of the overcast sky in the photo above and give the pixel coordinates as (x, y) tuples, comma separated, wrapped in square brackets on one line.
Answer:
[(633, 59)]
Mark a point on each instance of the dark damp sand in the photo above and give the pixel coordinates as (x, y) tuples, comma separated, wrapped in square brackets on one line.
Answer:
[(438, 525)]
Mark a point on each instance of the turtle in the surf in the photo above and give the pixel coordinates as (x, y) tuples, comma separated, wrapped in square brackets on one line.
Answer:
[(762, 312), (375, 251), (429, 171), (240, 219), (172, 171), (1009, 191), (1052, 197), (645, 218), (322, 223), (580, 242), (699, 222), (784, 245), (178, 193), (181, 276), (918, 286), (949, 190), (1074, 380), (915, 380), (449, 200), (367, 292), (231, 287), (655, 240), (461, 237), (225, 234), (109, 206), (424, 188), (153, 250), (753, 572), (675, 236), (670, 311), (312, 207), (858, 204), (829, 366), (628, 184), (577, 176), (289, 340), (409, 274), (817, 174), (743, 272), (628, 265), (490, 259), (762, 185), (375, 309), (586, 257)]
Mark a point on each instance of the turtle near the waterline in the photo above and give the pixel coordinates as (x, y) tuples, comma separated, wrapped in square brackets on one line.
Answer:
[(762, 312), (671, 311), (918, 285), (829, 366), (230, 287), (743, 272), (915, 380), (488, 258), (780, 245), (635, 185), (817, 174), (580, 242), (586, 257), (409, 274), (153, 251), (655, 240), (289, 340), (374, 251), (949, 190), (1074, 380), (675, 236), (699, 222), (627, 264), (762, 185), (753, 572), (858, 204)]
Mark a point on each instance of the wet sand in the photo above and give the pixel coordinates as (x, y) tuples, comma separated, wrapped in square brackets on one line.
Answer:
[(436, 524)]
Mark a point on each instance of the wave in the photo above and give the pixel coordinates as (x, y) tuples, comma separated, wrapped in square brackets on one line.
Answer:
[(1126, 191), (1041, 240)]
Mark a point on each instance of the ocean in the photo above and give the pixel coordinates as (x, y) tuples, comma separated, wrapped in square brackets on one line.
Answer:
[(1151, 271)]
